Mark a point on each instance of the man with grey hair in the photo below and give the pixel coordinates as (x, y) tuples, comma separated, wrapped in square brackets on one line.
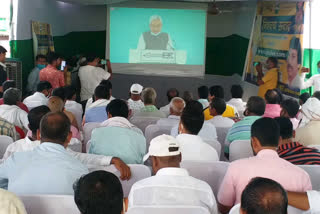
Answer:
[(149, 96), (177, 105), (10, 111), (155, 39)]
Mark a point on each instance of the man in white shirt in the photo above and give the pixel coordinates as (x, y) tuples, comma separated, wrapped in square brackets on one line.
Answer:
[(91, 75), (71, 105), (105, 83), (171, 186), (312, 81), (217, 108), (40, 97), (31, 142), (171, 93), (134, 102), (305, 201), (236, 101), (177, 105), (191, 145), (10, 111)]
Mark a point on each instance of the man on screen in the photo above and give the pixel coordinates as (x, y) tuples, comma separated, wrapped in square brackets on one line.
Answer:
[(155, 39)]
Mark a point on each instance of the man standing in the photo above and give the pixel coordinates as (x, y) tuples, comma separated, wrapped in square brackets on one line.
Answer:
[(270, 79), (3, 72), (33, 78), (155, 39), (51, 72)]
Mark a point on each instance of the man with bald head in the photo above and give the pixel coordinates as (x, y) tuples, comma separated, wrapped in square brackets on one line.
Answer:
[(49, 168), (177, 105)]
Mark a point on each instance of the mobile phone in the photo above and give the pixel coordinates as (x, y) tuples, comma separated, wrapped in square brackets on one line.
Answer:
[(63, 65), (256, 63), (103, 62)]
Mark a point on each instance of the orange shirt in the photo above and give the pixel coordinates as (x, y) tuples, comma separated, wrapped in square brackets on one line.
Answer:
[(52, 75)]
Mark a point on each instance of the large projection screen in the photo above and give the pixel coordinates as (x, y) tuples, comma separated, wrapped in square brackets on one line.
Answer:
[(157, 38)]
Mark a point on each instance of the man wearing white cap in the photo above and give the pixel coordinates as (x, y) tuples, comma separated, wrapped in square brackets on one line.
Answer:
[(171, 185), (134, 102)]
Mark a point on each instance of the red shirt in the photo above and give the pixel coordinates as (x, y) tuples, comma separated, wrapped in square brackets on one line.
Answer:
[(20, 105), (52, 75)]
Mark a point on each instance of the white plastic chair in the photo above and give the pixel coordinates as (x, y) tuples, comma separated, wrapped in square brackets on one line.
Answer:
[(49, 204), (153, 130), (240, 149), (314, 173), (215, 144), (143, 122), (222, 133), (210, 172), (291, 210), (138, 172), (5, 141), (167, 210), (87, 130)]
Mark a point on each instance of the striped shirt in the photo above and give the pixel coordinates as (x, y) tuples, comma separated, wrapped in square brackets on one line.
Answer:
[(298, 154), (240, 130)]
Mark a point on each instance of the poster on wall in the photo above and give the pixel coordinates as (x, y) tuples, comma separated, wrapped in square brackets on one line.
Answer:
[(42, 38), (4, 29), (278, 32)]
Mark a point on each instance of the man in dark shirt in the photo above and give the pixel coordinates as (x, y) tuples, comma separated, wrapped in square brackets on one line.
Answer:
[(3, 73), (292, 151)]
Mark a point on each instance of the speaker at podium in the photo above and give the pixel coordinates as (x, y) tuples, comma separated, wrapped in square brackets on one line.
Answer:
[(158, 56)]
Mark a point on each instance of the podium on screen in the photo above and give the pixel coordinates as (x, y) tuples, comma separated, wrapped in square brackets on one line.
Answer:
[(158, 56)]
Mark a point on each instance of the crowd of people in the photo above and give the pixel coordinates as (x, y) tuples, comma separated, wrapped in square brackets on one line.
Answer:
[(282, 132)]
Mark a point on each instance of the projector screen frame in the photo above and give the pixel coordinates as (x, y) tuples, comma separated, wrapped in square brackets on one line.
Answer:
[(165, 69)]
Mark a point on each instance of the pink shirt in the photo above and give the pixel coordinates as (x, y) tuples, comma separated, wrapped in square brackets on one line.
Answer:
[(272, 110), (295, 123), (52, 75), (266, 164)]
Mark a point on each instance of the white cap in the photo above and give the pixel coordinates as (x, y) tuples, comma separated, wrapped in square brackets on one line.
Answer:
[(136, 88), (159, 147)]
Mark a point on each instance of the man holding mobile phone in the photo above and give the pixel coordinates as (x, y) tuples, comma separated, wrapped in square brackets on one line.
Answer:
[(91, 75)]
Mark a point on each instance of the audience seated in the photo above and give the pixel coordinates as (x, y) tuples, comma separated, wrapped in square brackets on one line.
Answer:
[(33, 78), (218, 92), (71, 105), (10, 203), (203, 93), (293, 151), (308, 132), (305, 201), (316, 94), (265, 135), (97, 111), (273, 107), (49, 168), (187, 96), (242, 129), (236, 101), (177, 105), (118, 137), (91, 75), (51, 72), (149, 96), (31, 142), (290, 109), (11, 112), (191, 145), (12, 84), (134, 102), (105, 83), (171, 93), (56, 104), (171, 185), (303, 98), (40, 97), (263, 195), (7, 129), (217, 107), (99, 192)]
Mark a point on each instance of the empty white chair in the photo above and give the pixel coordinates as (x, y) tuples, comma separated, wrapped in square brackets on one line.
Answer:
[(210, 172), (215, 144), (138, 172), (49, 204), (87, 130), (314, 173), (143, 122), (4, 143), (168, 210), (240, 149), (291, 210), (154, 130)]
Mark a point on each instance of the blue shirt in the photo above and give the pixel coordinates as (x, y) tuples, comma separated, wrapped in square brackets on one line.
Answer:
[(123, 143), (33, 80), (96, 114), (48, 169)]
